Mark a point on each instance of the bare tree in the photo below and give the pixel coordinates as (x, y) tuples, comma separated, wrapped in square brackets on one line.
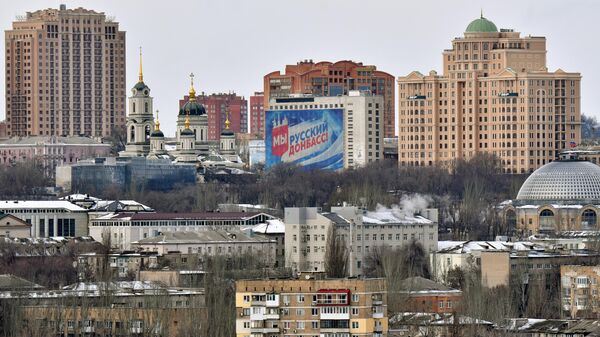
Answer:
[(336, 255)]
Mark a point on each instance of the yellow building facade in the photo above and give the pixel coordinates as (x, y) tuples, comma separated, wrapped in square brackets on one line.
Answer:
[(495, 95), (308, 307)]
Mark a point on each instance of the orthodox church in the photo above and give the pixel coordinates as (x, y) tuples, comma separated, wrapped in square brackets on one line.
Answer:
[(192, 147)]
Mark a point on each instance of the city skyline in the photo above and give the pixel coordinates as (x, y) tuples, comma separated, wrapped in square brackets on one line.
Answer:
[(230, 59)]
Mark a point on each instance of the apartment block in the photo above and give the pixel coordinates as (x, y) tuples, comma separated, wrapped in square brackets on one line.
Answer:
[(495, 95), (219, 107), (309, 307), (363, 122), (65, 73), (334, 79), (579, 291), (257, 114)]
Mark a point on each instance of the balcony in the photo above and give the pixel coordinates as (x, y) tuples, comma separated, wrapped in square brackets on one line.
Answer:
[(273, 316), (264, 330), (378, 314), (336, 316)]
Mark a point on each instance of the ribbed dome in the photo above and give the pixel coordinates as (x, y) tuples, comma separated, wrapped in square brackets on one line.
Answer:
[(481, 25), (570, 181)]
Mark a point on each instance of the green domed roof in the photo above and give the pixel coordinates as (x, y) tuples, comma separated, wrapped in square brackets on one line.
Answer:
[(140, 86), (227, 132), (195, 108), (481, 25), (157, 133), (186, 132)]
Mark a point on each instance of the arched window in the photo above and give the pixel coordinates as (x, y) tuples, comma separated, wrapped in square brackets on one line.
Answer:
[(146, 107), (547, 221), (132, 134), (588, 219), (147, 132), (133, 107)]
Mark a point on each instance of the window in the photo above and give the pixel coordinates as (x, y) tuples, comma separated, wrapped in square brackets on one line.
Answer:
[(246, 298), (588, 219), (354, 325), (300, 298), (354, 311), (355, 297), (299, 312)]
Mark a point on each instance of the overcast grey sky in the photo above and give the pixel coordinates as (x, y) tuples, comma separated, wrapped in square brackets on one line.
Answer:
[(232, 44)]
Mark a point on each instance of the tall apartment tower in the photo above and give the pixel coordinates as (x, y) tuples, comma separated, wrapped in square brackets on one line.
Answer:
[(218, 108), (257, 114), (65, 73), (334, 79), (497, 96)]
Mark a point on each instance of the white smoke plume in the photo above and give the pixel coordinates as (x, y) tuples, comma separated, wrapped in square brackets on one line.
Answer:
[(409, 205)]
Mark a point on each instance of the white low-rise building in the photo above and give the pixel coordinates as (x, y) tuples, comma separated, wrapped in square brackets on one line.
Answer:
[(49, 218)]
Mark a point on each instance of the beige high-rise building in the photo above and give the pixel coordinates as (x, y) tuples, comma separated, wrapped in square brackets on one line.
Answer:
[(65, 73), (496, 95)]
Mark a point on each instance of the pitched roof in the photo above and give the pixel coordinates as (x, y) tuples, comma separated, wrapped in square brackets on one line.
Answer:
[(12, 282)]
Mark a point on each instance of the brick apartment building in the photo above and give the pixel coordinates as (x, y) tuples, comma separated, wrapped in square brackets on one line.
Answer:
[(218, 108), (334, 79), (257, 114)]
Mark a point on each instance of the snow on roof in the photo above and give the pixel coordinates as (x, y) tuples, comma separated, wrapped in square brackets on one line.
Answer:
[(79, 197), (274, 226), (552, 205), (93, 289), (461, 247), (39, 204), (389, 217)]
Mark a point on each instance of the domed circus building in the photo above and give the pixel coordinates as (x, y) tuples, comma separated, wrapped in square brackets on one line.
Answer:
[(563, 195)]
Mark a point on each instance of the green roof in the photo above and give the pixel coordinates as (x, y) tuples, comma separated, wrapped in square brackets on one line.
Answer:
[(481, 25)]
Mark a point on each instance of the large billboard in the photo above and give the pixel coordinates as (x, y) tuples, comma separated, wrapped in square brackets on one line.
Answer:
[(313, 139)]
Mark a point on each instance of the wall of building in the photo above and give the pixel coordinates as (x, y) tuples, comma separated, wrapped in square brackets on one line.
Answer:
[(299, 307), (363, 123), (67, 101)]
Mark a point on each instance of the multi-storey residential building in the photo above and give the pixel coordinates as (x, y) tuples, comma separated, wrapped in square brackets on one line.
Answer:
[(65, 73), (219, 107), (579, 291), (363, 118), (499, 261), (495, 95), (257, 114), (334, 307), (363, 232), (334, 79), (108, 308)]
